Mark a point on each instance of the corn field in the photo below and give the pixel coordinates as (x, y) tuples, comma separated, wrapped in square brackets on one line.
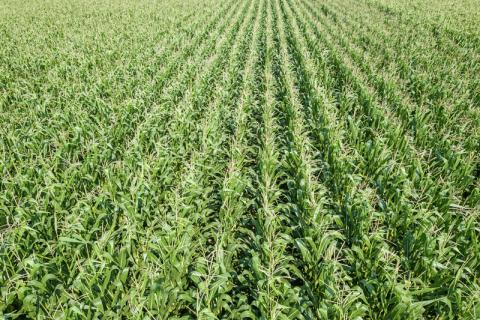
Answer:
[(240, 159)]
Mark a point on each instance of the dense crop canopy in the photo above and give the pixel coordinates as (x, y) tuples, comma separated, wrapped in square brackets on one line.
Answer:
[(258, 159)]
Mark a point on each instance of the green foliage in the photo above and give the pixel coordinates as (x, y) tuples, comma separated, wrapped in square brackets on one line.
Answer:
[(253, 159)]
